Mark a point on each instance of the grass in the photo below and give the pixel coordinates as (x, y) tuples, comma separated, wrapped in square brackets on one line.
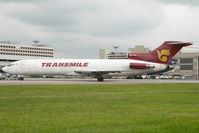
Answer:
[(153, 108)]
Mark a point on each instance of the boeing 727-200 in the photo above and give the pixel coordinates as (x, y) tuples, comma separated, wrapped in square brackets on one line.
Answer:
[(137, 64)]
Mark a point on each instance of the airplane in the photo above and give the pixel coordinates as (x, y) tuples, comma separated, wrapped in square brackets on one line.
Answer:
[(100, 68)]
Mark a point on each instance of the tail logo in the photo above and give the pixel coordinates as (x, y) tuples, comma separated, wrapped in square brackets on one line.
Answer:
[(163, 55)]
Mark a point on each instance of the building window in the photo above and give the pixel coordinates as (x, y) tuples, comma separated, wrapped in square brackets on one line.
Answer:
[(186, 67), (186, 60)]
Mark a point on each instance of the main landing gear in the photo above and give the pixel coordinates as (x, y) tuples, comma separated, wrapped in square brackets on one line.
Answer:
[(100, 79), (20, 78)]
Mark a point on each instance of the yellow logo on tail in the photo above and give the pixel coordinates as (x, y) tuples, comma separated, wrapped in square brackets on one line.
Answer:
[(163, 55)]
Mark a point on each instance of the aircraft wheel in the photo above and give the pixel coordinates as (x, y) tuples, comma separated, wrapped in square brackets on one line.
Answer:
[(100, 79), (21, 78)]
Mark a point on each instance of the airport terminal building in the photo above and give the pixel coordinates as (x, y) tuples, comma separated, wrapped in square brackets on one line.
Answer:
[(11, 51), (108, 54), (187, 65)]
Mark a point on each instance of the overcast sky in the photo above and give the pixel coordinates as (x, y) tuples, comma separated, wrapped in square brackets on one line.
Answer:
[(79, 28)]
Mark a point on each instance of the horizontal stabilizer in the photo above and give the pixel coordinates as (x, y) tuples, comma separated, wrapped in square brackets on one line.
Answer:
[(179, 44)]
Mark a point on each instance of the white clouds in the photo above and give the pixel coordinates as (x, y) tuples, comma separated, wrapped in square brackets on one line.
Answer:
[(181, 23), (121, 18), (11, 28), (99, 18), (180, 2), (80, 28)]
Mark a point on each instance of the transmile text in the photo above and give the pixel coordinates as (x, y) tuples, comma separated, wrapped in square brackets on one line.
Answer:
[(66, 64)]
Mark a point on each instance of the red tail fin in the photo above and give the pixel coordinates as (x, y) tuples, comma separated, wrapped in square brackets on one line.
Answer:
[(162, 54)]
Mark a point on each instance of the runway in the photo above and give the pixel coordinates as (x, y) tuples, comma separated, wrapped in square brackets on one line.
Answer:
[(29, 81)]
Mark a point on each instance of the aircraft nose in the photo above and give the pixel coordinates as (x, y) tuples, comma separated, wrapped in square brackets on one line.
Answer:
[(5, 69)]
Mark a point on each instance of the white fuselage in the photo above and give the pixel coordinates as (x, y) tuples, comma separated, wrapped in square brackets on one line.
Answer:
[(79, 66)]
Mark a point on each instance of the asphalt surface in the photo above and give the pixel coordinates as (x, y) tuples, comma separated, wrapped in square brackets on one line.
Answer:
[(29, 81)]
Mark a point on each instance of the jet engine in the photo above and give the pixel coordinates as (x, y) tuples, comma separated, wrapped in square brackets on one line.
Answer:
[(140, 66)]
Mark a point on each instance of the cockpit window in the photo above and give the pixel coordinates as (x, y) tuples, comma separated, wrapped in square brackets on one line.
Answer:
[(10, 65)]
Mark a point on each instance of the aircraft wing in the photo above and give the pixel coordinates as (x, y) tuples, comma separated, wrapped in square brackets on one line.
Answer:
[(96, 73)]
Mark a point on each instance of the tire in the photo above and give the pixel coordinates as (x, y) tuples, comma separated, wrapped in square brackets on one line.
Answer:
[(21, 78), (100, 79)]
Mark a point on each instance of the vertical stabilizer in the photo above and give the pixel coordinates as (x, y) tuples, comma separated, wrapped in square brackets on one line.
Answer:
[(163, 54)]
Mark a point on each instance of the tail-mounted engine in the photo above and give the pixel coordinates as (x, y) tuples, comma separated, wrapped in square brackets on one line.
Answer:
[(140, 66)]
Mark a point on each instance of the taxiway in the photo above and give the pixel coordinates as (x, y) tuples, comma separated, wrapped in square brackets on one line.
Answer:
[(30, 81)]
